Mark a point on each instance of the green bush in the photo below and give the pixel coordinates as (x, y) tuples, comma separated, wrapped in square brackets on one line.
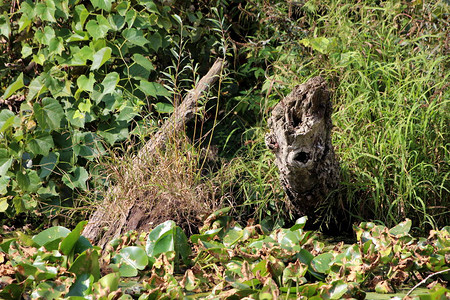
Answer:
[(79, 74)]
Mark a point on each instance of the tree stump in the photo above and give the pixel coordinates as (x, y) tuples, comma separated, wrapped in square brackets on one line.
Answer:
[(300, 137)]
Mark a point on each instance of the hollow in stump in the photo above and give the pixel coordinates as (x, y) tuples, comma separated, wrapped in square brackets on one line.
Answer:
[(300, 137)]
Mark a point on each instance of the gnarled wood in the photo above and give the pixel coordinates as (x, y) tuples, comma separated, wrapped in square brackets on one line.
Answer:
[(300, 137), (118, 216)]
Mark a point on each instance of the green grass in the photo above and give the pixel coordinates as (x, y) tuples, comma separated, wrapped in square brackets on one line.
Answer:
[(387, 65)]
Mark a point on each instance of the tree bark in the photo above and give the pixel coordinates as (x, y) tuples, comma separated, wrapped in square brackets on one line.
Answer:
[(114, 216), (300, 137)]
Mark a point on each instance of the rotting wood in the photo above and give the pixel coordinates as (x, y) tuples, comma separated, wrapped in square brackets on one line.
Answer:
[(125, 211), (300, 137)]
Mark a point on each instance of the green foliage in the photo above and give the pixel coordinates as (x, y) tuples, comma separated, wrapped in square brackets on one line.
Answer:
[(78, 74), (386, 65), (223, 261)]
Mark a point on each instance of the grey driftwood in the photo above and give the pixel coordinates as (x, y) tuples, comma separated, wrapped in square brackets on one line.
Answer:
[(300, 137)]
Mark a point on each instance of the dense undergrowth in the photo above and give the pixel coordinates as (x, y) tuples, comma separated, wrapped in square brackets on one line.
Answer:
[(85, 83), (225, 261), (82, 76)]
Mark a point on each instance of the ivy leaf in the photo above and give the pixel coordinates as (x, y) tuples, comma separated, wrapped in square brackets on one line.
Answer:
[(45, 36), (3, 204), (5, 161), (155, 41), (36, 87), (86, 84), (75, 119), (13, 87), (48, 164), (127, 112), (143, 61), (77, 180), (77, 37), (85, 106), (27, 50), (81, 14), (100, 57), (112, 101), (123, 7), (28, 181), (402, 228), (109, 82), (62, 9), (141, 68), (153, 89), (50, 114), (80, 56), (56, 46), (98, 29), (6, 119), (5, 28), (41, 144), (28, 14), (24, 22), (114, 131), (116, 22), (102, 4), (46, 10), (135, 37), (4, 182)]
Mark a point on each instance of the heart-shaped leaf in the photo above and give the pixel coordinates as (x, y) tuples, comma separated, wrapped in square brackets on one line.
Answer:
[(77, 180), (48, 164), (322, 262), (100, 57), (49, 114), (130, 260), (110, 82), (402, 228), (86, 84)]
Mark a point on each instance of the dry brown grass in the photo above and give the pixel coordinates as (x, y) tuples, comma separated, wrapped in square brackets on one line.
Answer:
[(167, 185)]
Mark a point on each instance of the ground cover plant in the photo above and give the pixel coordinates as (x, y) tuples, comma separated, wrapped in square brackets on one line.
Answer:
[(225, 261)]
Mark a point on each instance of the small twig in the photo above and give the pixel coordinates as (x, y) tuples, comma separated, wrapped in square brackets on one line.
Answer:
[(424, 280)]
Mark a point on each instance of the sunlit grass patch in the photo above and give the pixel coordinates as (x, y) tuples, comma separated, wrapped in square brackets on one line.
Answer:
[(387, 64)]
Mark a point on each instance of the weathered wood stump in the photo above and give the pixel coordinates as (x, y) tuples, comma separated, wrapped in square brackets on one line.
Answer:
[(300, 137)]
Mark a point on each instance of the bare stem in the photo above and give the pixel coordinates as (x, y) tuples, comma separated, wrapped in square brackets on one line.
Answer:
[(424, 280)]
